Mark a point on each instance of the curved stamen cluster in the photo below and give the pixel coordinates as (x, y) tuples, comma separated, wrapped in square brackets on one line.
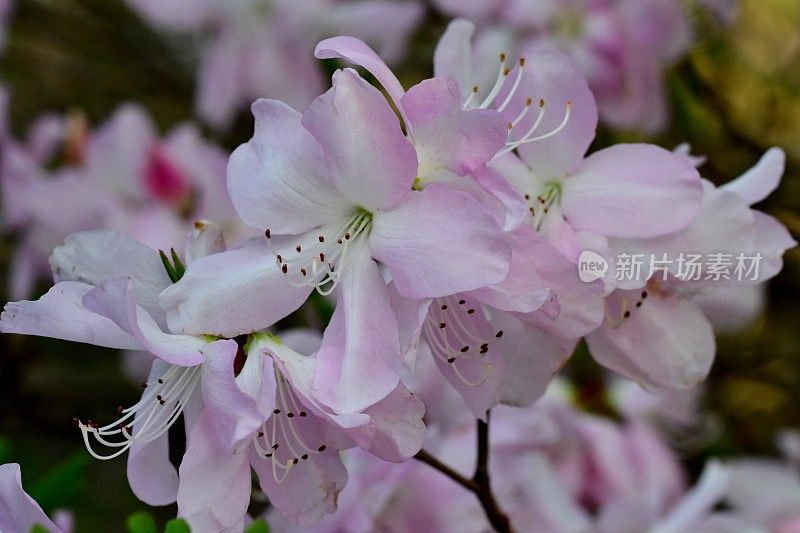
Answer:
[(625, 310), (282, 433), (319, 259), (454, 338), (160, 406), (530, 135), (539, 205)]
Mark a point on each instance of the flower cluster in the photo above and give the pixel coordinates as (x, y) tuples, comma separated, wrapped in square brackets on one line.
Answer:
[(446, 221)]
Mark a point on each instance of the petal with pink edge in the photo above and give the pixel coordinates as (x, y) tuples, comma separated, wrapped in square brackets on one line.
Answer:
[(60, 314)]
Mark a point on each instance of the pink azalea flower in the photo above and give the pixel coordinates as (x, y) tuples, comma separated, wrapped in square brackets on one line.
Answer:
[(246, 44), (311, 181), (294, 450), (662, 315), (19, 513), (121, 176), (622, 46), (767, 492)]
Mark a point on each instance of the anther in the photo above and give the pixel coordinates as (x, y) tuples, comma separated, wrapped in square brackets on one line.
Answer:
[(144, 385), (462, 302), (303, 413), (298, 248), (502, 58), (465, 349), (276, 411), (322, 238), (347, 236), (470, 311), (522, 61), (499, 334), (451, 360), (268, 234), (275, 446), (304, 456), (279, 257), (644, 295), (303, 271), (321, 448), (626, 314), (322, 257), (475, 88), (444, 307), (285, 268), (160, 381), (290, 415), (442, 325), (295, 461)]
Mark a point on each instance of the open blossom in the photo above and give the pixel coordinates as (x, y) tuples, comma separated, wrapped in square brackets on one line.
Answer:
[(240, 399), (623, 47), (662, 314), (121, 176), (336, 189), (263, 48)]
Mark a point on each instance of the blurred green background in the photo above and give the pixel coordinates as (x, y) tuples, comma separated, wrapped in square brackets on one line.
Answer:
[(736, 94)]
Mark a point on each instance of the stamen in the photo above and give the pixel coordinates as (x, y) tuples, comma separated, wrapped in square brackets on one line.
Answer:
[(525, 139), (498, 84), (514, 87), (158, 409)]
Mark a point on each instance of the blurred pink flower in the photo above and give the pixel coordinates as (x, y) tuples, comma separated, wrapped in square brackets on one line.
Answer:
[(63, 178), (263, 48)]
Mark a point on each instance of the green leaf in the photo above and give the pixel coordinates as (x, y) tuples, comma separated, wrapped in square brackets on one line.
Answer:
[(257, 526), (39, 528), (60, 484), (177, 525), (141, 522)]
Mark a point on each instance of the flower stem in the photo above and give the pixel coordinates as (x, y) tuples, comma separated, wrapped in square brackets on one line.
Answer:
[(479, 484)]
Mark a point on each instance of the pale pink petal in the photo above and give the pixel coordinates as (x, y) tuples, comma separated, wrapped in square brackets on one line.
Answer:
[(233, 413), (360, 134), (95, 256), (633, 190), (552, 78), (60, 314), (440, 241), (453, 55), (666, 343), (447, 136), (231, 293), (278, 179), (215, 485), (360, 361), (759, 181), (358, 52), (396, 421), (19, 513)]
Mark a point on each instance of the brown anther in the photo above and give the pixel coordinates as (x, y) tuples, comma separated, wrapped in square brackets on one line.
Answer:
[(444, 307), (298, 248), (279, 257), (322, 238), (322, 257), (541, 102), (260, 433), (451, 360), (527, 196), (506, 71), (465, 349), (276, 411), (303, 271), (275, 446), (321, 448), (285, 268), (475, 88), (510, 125), (499, 334), (303, 413), (268, 233), (442, 325), (529, 102), (638, 304), (199, 225), (626, 314), (161, 381), (295, 461), (462, 302), (470, 311), (144, 385), (339, 241), (644, 295), (120, 408), (347, 236), (290, 415), (522, 61), (502, 58), (267, 455), (304, 456)]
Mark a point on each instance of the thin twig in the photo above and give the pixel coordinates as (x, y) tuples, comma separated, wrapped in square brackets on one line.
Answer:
[(479, 484)]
